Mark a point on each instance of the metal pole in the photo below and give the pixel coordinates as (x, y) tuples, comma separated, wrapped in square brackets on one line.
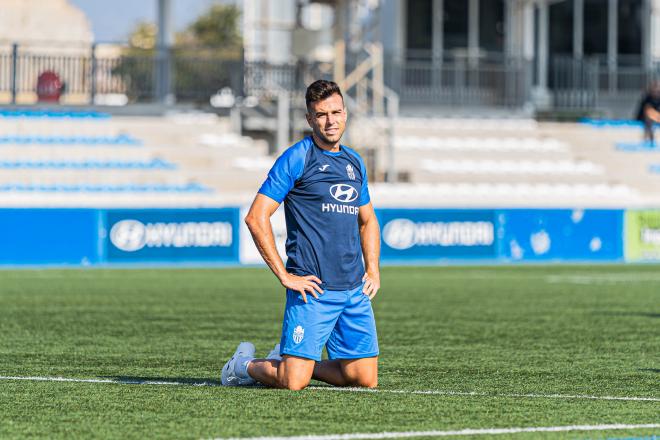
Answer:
[(163, 84), (393, 113), (647, 17), (14, 71), (578, 28), (282, 121), (542, 62), (93, 74), (438, 42), (473, 32), (612, 42)]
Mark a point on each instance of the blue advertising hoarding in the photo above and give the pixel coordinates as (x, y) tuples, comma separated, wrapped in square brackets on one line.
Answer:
[(171, 235), (49, 236), (560, 234), (437, 234), (209, 236)]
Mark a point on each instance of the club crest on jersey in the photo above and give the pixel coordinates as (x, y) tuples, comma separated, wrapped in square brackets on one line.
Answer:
[(298, 334), (350, 172), (343, 193)]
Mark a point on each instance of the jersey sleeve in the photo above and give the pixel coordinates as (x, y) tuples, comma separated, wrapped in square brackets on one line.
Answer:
[(364, 191), (283, 175)]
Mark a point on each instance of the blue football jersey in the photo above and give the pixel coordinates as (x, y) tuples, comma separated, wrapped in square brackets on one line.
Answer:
[(322, 192)]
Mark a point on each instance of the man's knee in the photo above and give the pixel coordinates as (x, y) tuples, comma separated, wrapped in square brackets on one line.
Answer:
[(366, 382), (293, 377), (293, 383), (363, 380)]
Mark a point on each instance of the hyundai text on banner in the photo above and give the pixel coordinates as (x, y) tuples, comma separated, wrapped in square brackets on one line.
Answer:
[(428, 234), (209, 235), (561, 234)]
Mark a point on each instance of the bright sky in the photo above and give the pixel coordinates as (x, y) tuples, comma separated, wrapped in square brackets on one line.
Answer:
[(113, 20)]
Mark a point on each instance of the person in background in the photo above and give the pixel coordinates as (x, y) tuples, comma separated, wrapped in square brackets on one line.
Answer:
[(649, 111)]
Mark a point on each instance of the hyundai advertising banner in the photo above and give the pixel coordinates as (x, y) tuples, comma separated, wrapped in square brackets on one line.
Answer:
[(49, 236), (642, 235), (436, 234), (172, 235), (560, 234)]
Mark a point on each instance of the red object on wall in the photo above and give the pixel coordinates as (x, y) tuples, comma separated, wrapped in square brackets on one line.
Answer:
[(49, 87)]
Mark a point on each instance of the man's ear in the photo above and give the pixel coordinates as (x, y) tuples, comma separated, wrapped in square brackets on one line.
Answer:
[(309, 119)]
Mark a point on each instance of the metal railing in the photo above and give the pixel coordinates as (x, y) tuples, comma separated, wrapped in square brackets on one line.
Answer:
[(196, 75), (590, 83), (460, 81)]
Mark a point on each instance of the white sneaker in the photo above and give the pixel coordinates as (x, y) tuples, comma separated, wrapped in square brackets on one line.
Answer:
[(275, 353), (244, 351)]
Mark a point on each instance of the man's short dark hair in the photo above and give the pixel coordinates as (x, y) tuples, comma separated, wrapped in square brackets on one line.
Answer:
[(320, 90)]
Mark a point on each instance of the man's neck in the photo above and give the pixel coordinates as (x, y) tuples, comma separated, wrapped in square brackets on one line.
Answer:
[(333, 148)]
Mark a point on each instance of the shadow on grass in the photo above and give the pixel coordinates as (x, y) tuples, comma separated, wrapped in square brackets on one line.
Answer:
[(650, 370), (140, 380), (636, 314)]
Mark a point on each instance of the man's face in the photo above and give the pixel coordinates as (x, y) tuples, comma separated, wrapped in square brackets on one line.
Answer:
[(327, 118)]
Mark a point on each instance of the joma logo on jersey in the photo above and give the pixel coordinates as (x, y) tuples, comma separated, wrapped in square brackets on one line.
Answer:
[(343, 193)]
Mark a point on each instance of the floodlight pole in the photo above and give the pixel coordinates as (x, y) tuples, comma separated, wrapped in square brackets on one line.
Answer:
[(163, 62)]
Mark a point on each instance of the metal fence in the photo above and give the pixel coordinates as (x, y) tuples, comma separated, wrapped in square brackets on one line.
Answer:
[(462, 82), (86, 75), (194, 75), (590, 83)]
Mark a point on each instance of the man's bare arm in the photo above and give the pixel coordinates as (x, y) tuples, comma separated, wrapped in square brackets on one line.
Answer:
[(370, 242), (258, 222), (651, 113)]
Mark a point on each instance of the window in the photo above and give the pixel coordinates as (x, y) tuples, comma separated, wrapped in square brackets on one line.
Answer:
[(419, 28), (630, 32), (455, 19), (595, 27), (561, 28), (491, 25)]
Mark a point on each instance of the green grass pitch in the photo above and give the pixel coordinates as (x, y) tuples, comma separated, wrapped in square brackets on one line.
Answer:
[(499, 332)]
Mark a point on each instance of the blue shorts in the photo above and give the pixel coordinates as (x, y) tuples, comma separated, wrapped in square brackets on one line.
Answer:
[(341, 320)]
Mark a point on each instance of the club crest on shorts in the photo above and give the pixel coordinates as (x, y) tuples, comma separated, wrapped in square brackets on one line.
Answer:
[(298, 334)]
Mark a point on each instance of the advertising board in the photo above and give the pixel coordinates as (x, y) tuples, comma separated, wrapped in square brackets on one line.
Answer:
[(560, 234), (49, 236), (172, 235), (642, 232), (436, 234)]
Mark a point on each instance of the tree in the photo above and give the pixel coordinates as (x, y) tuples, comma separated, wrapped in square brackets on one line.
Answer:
[(217, 28), (207, 56)]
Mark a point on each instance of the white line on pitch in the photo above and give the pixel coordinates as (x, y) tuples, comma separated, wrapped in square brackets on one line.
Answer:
[(339, 389), (480, 394), (489, 431)]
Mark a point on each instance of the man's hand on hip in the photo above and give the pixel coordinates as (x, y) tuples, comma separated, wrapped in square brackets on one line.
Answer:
[(302, 285), (371, 284)]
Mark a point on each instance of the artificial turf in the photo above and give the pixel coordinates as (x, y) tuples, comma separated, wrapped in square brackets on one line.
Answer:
[(496, 331)]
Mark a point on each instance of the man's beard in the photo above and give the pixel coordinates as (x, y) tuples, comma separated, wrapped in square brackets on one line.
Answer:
[(324, 138)]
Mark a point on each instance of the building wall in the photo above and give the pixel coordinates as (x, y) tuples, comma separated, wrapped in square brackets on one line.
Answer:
[(38, 21), (267, 26)]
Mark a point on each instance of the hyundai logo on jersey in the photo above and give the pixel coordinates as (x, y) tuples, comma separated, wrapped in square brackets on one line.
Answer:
[(343, 193)]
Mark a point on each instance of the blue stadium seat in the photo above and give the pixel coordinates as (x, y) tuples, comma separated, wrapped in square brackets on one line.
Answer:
[(190, 188), (154, 164), (122, 139), (55, 114), (643, 146)]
